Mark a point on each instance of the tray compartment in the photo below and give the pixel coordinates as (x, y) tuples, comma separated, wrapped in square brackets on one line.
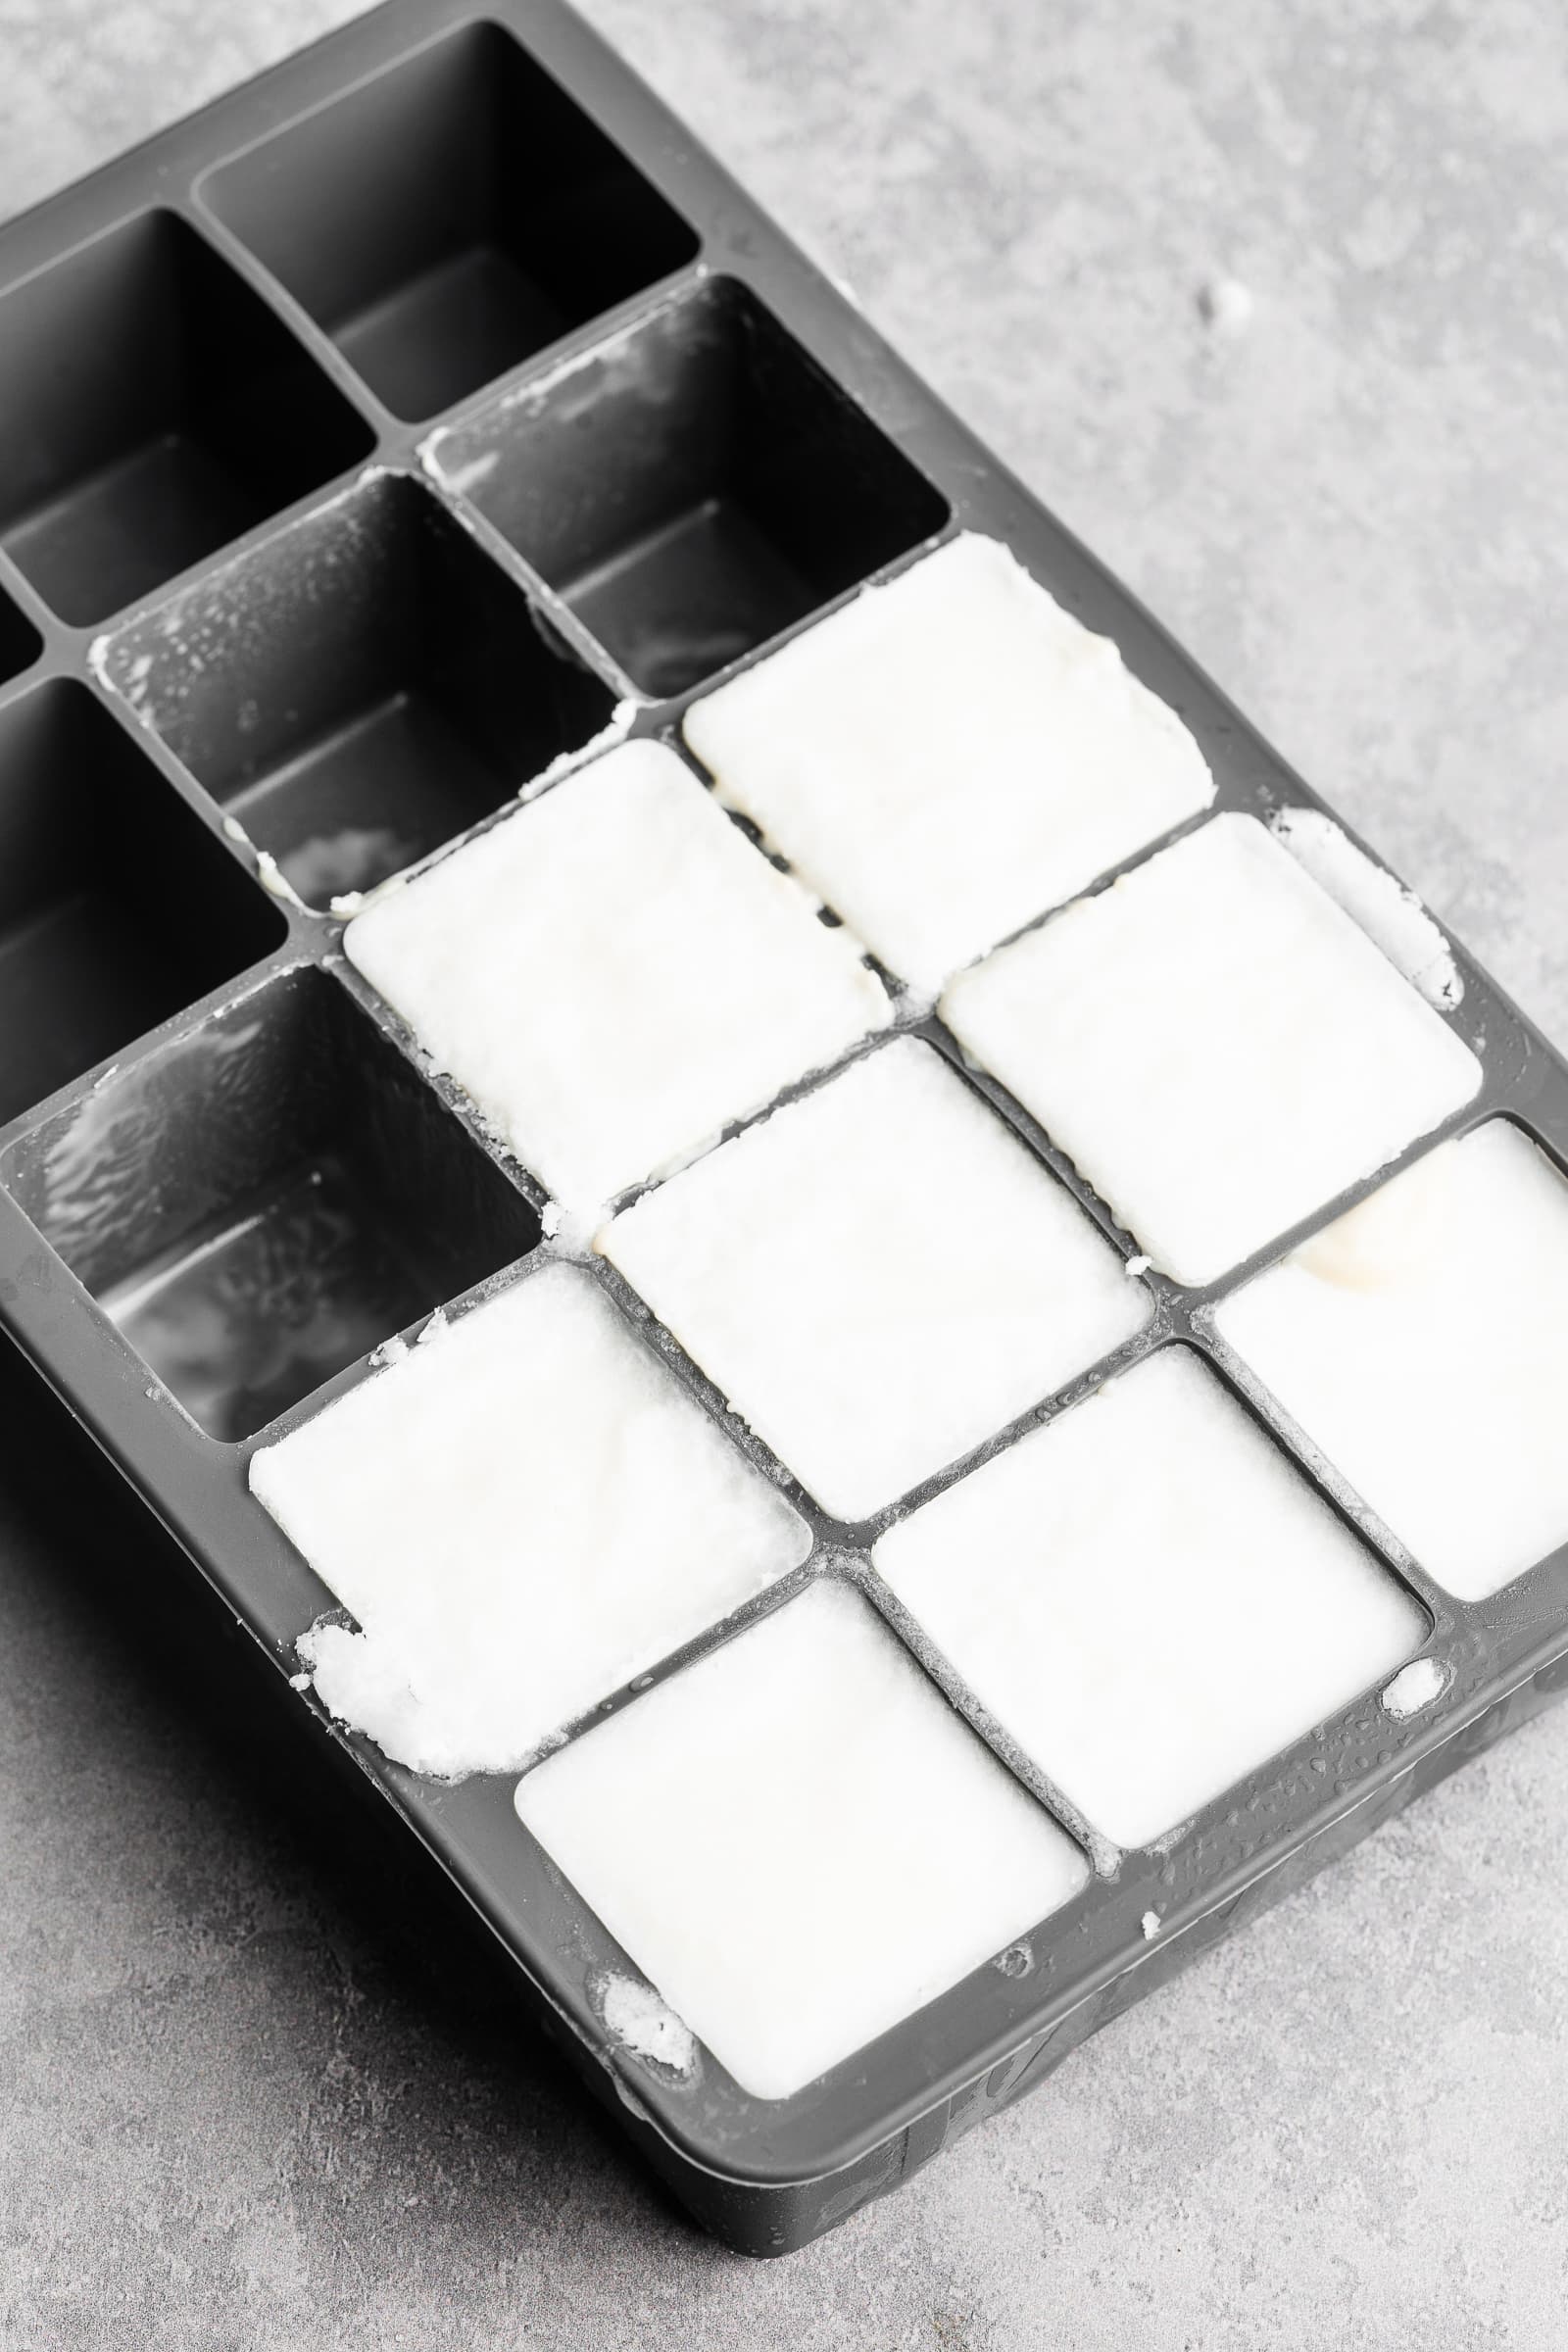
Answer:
[(156, 409), (19, 642), (450, 218), (265, 1200), (359, 688), (118, 907), (692, 487)]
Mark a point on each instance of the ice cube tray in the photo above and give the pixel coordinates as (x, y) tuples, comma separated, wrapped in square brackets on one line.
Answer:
[(392, 429)]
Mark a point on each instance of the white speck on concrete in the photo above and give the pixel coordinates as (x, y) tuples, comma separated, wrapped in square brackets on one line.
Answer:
[(1226, 306)]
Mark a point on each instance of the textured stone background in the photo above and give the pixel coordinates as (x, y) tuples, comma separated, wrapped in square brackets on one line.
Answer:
[(242, 2102)]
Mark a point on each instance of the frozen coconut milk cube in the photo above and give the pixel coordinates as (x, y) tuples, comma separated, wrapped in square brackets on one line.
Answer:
[(615, 973), (1148, 1598), (522, 1514), (949, 756), (1216, 1046), (878, 1277), (798, 1841), (1419, 1343)]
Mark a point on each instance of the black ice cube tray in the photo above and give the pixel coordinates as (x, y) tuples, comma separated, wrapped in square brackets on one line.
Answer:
[(369, 439)]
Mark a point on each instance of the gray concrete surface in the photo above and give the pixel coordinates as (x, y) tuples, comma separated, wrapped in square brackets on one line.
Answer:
[(242, 2103)]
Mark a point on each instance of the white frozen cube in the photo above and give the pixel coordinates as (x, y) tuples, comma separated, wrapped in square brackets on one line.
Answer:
[(1148, 1598), (1216, 1046), (1418, 1341), (522, 1514), (948, 757), (615, 973), (798, 1841), (878, 1277)]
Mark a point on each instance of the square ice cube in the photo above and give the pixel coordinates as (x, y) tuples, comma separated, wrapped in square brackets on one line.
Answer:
[(878, 1277), (522, 1514), (948, 757), (1148, 1598), (615, 973), (1215, 1043), (798, 1841), (1418, 1340)]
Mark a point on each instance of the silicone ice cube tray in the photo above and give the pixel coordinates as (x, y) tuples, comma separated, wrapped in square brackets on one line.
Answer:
[(313, 550)]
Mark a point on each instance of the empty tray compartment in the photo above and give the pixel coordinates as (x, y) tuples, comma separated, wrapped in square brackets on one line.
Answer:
[(449, 217), (118, 907), (155, 408), (19, 642), (263, 1200), (359, 688), (693, 486)]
